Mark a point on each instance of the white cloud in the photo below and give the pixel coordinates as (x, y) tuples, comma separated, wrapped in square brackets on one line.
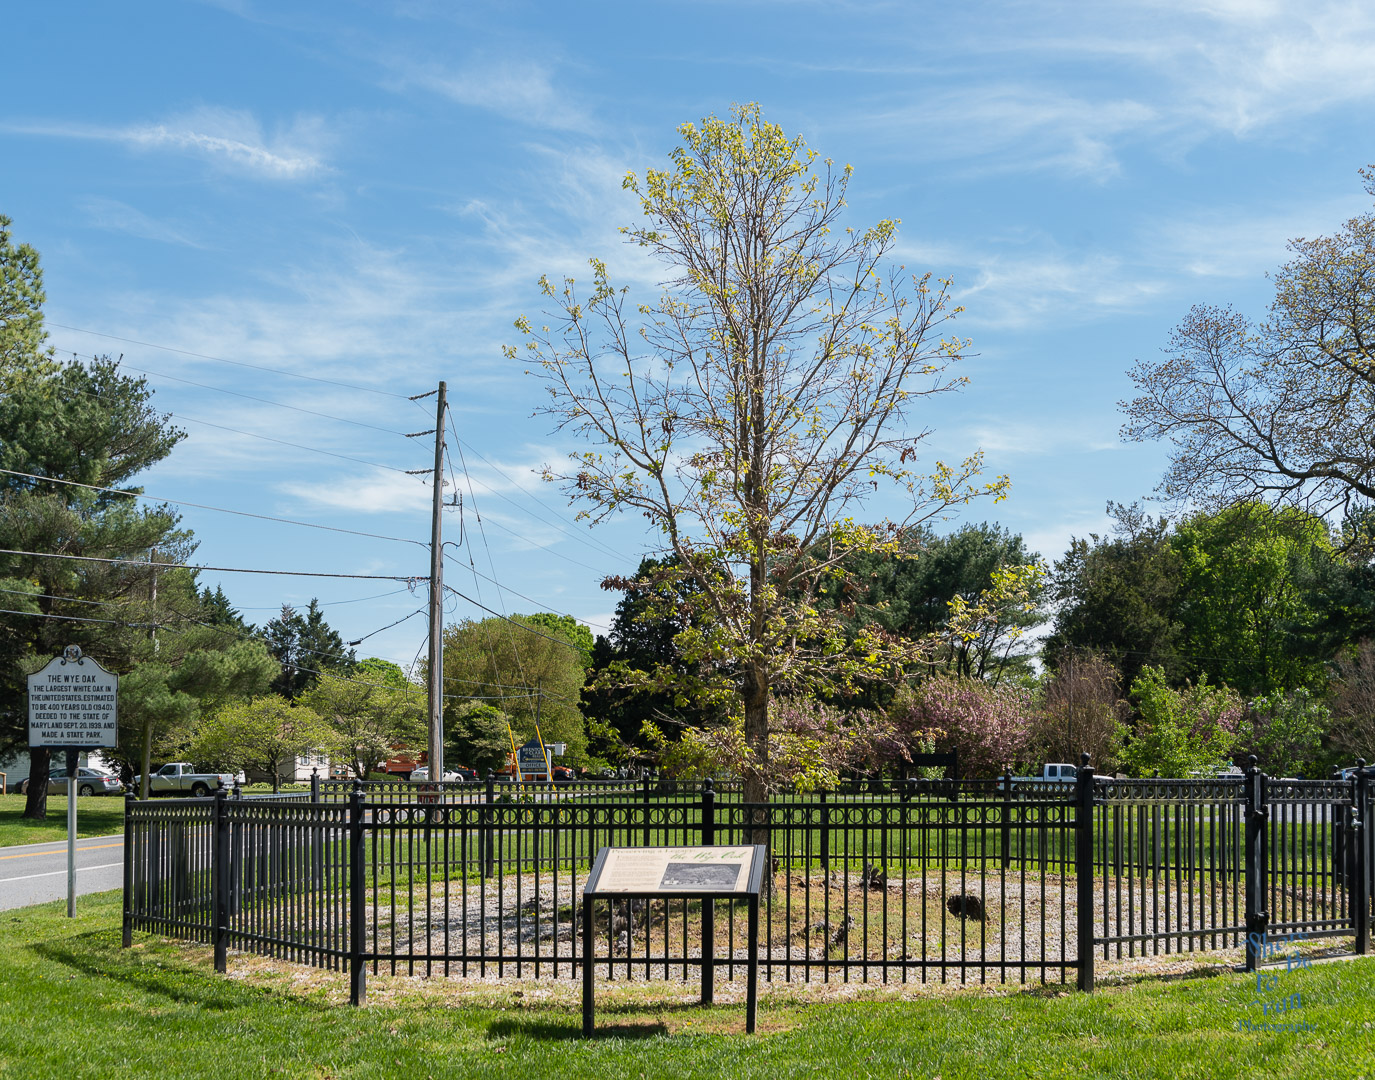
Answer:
[(1022, 438), (375, 492), (117, 216), (228, 138), (518, 89), (1019, 126)]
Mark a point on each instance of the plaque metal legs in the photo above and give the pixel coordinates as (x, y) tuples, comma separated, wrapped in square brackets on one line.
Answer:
[(708, 949), (587, 967), (752, 971)]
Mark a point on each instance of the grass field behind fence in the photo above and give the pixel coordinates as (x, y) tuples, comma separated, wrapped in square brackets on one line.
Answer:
[(73, 1004), (98, 815)]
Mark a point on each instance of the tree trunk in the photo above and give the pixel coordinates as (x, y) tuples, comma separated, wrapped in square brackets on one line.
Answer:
[(36, 802), (145, 778), (755, 694)]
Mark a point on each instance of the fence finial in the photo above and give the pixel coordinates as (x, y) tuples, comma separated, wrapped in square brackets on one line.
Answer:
[(1084, 760)]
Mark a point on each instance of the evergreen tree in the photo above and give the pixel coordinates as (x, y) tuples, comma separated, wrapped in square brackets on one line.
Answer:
[(304, 646)]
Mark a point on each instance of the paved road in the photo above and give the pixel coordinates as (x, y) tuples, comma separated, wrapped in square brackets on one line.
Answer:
[(36, 873)]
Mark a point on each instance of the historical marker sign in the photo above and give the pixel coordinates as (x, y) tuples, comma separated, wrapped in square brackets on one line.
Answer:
[(73, 703), (722, 871), (706, 873)]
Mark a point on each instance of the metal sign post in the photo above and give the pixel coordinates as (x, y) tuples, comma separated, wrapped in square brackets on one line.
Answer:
[(707, 874), (73, 707)]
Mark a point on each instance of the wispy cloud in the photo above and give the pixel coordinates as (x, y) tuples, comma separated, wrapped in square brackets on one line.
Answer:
[(374, 492), (117, 216), (228, 138), (1019, 127), (518, 89)]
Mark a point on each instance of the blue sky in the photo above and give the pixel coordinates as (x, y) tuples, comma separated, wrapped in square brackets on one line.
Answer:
[(367, 192)]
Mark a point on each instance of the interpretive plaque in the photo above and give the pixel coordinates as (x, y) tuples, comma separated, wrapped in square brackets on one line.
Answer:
[(708, 873), (696, 870)]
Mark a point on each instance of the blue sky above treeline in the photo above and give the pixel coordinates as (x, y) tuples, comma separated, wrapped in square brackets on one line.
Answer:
[(367, 192)]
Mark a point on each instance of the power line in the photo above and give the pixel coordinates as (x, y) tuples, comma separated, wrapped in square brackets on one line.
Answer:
[(214, 569), (513, 622), (596, 545), (217, 509), (321, 603), (264, 438), (236, 363), (77, 618), (284, 442), (263, 400), (542, 605)]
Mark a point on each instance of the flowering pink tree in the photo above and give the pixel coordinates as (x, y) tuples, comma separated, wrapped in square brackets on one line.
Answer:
[(810, 745), (989, 727)]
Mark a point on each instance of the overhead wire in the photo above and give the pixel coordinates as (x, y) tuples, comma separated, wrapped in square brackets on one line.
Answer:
[(586, 541), (263, 400), (265, 438), (236, 363), (214, 569), (217, 509)]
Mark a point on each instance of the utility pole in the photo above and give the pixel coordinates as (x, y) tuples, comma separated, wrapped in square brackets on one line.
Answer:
[(436, 684)]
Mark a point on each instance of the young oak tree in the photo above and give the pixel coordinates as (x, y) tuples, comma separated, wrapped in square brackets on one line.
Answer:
[(750, 410)]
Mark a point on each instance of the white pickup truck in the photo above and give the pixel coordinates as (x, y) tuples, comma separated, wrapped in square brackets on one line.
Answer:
[(1057, 772), (181, 778)]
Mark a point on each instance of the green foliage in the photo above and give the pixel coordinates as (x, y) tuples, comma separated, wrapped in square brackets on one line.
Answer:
[(264, 735), (88, 424), (369, 722), (1117, 596), (750, 411), (304, 646), (568, 628), (478, 737), (1245, 604), (638, 673), (1284, 732), (1179, 732), (21, 310), (535, 677), (909, 592), (376, 670)]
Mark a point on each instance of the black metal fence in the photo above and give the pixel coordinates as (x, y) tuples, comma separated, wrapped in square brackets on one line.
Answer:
[(929, 880)]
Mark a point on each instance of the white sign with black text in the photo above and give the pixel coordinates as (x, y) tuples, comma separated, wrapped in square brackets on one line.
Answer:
[(73, 702)]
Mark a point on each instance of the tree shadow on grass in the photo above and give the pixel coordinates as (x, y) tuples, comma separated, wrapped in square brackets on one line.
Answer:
[(183, 985), (551, 1031), (613, 1022)]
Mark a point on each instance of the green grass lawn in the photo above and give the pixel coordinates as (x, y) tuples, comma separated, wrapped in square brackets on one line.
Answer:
[(73, 1004), (99, 815)]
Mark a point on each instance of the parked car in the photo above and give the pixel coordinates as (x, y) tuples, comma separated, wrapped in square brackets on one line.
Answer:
[(88, 782), (181, 778), (423, 773)]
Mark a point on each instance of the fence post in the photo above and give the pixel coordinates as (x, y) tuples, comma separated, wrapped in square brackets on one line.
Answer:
[(358, 970), (708, 905), (128, 938), (487, 838), (1361, 838), (1083, 868), (1256, 812), (219, 881), (825, 833), (1007, 818), (314, 785), (645, 801)]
